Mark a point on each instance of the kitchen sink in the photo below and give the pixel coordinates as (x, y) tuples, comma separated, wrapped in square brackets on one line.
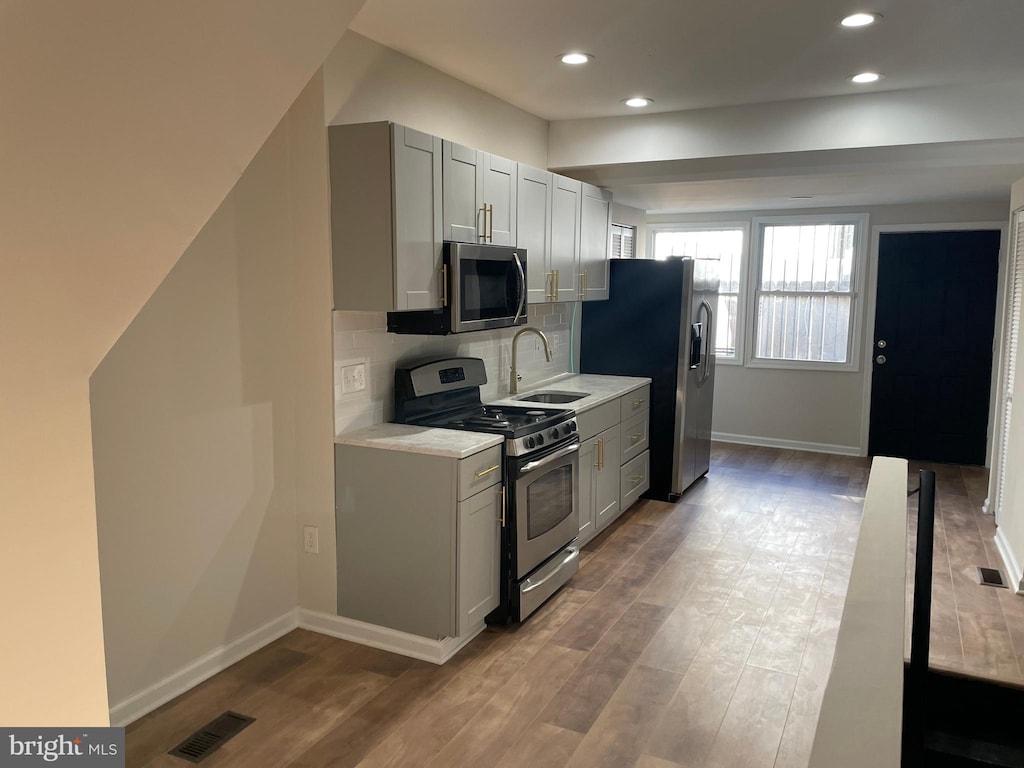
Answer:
[(552, 396)]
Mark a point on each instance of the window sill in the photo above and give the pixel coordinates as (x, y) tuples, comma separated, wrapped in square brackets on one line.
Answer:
[(801, 365)]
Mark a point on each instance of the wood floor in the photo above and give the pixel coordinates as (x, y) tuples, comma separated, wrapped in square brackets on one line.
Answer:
[(695, 634), (976, 630)]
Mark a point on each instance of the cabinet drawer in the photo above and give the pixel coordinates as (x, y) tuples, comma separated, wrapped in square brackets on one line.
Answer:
[(633, 436), (479, 471), (595, 420), (635, 479), (636, 401)]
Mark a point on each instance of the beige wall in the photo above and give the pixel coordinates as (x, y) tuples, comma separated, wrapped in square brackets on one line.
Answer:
[(212, 420), (366, 82), (133, 120), (817, 407)]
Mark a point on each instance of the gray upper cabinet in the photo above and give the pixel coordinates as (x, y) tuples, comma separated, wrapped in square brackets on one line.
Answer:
[(397, 194), (595, 242), (564, 243), (533, 228), (386, 206), (479, 196)]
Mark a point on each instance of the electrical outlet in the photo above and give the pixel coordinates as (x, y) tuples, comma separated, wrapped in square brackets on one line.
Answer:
[(353, 378), (311, 539)]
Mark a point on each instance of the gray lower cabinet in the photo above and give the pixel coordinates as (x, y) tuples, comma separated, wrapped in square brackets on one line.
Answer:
[(614, 459), (599, 482), (418, 538)]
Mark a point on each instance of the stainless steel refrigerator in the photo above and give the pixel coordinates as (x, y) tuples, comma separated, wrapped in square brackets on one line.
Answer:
[(659, 322)]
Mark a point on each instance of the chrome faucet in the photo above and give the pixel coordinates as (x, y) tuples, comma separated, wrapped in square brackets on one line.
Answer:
[(513, 378)]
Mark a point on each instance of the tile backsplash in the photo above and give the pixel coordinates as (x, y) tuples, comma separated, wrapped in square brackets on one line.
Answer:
[(361, 337)]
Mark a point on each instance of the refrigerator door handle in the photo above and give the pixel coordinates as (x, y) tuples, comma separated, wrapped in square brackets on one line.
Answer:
[(706, 341)]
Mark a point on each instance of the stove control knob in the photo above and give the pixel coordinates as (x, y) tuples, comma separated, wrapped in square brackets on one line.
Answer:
[(540, 439), (554, 434), (530, 442), (571, 427)]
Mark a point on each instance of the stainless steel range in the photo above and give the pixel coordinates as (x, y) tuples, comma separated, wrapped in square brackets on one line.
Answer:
[(541, 479)]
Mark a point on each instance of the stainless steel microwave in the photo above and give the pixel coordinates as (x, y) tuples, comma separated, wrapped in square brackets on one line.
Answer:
[(482, 287)]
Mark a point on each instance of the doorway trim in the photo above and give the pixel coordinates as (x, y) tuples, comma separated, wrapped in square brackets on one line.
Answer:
[(869, 317)]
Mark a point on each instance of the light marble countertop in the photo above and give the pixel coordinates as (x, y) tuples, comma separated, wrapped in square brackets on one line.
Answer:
[(601, 389), (457, 444)]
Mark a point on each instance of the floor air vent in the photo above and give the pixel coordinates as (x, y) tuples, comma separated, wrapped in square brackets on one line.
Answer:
[(991, 577), (211, 736)]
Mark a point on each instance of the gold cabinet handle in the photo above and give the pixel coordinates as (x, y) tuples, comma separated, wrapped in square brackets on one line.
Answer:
[(503, 506), (583, 285), (634, 439), (637, 479), (554, 293), (444, 285), (488, 471), (549, 284), (597, 453), (638, 403), (487, 228)]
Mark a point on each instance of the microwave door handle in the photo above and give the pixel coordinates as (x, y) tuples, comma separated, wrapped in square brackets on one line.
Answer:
[(522, 288), (548, 459)]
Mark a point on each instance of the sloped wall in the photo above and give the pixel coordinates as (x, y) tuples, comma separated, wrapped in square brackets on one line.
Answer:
[(126, 125), (200, 420)]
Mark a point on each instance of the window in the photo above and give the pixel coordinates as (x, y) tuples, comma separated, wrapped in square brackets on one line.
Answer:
[(623, 239), (724, 244), (804, 291)]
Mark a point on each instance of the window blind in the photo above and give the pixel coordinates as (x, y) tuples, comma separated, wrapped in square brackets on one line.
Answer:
[(623, 238), (1015, 296)]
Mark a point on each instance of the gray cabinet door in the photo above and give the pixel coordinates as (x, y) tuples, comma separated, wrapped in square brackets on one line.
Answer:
[(499, 194), (564, 244), (417, 220), (595, 241), (463, 191), (606, 478), (588, 517), (478, 558), (533, 224)]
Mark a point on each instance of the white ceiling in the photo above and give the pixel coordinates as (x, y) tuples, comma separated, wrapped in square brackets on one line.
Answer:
[(692, 54)]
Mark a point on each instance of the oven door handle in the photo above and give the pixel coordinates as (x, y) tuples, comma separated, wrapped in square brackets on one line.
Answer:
[(570, 553), (559, 454), (522, 288)]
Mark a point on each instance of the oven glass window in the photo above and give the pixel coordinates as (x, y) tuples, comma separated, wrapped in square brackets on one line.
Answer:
[(488, 289), (549, 501)]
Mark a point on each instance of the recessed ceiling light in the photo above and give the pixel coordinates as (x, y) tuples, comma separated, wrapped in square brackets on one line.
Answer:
[(576, 58), (866, 77), (637, 101), (860, 19)]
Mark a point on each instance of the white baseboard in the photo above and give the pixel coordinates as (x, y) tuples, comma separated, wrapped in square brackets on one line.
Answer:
[(434, 651), (791, 445), (1010, 562), (191, 675)]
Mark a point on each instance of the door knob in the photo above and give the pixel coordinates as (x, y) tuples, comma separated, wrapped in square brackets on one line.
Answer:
[(880, 359), (881, 344)]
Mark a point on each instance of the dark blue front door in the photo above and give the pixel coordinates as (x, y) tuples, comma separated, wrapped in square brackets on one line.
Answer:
[(932, 352)]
